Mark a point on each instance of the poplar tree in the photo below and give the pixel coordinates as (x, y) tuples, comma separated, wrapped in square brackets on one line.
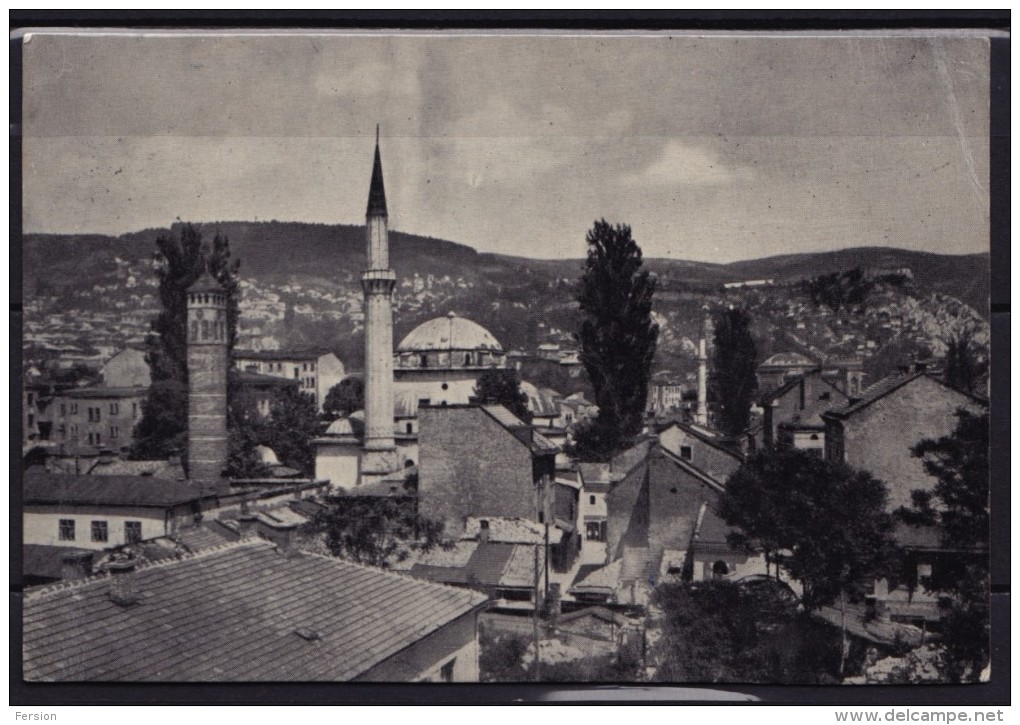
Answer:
[(733, 370), (618, 338)]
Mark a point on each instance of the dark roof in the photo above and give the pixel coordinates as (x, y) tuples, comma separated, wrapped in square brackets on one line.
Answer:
[(279, 354), (535, 441), (205, 283), (717, 443), (241, 612), (81, 490), (100, 392), (376, 191), (709, 480), (47, 562), (256, 380), (206, 535), (884, 387)]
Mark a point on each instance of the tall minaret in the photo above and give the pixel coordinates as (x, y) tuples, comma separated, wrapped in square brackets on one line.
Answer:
[(207, 378), (379, 452), (701, 415)]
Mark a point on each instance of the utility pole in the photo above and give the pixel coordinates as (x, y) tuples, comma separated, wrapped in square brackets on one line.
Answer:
[(538, 659)]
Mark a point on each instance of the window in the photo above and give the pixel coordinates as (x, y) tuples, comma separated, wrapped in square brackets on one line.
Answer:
[(114, 431), (98, 439), (304, 367), (297, 372), (114, 408), (67, 529), (409, 429), (91, 416), (91, 439), (134, 410), (31, 420), (205, 329), (31, 398), (686, 453), (446, 671), (63, 410), (74, 409), (132, 532), (100, 531), (591, 499), (74, 432), (63, 431), (311, 367)]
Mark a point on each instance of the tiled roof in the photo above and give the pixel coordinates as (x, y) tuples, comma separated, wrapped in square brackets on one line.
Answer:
[(879, 390), (475, 564), (100, 392), (255, 380), (205, 536), (234, 614), (69, 489), (520, 569), (280, 355), (119, 467), (604, 579), (505, 529), (489, 562), (46, 561), (538, 443)]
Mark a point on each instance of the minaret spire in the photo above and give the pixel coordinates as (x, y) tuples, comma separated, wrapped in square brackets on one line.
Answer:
[(377, 190)]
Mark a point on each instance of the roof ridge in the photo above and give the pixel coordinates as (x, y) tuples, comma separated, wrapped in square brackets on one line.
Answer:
[(40, 592)]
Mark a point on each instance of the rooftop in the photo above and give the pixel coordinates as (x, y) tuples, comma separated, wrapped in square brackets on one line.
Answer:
[(281, 355), (100, 392), (449, 333), (239, 612), (82, 490)]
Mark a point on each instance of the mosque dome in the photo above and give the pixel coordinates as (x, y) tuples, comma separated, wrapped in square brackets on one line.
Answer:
[(447, 334), (542, 402), (788, 360)]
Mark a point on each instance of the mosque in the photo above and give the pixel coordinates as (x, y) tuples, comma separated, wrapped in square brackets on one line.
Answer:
[(440, 362)]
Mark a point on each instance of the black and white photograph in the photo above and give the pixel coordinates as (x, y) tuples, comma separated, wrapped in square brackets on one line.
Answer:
[(505, 357)]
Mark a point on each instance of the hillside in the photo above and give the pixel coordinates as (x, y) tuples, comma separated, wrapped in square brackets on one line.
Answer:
[(301, 287)]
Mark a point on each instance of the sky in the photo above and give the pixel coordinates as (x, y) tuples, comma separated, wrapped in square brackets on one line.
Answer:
[(712, 148)]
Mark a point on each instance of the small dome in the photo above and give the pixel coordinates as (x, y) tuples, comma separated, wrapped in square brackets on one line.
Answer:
[(267, 456), (787, 360), (449, 333), (340, 427)]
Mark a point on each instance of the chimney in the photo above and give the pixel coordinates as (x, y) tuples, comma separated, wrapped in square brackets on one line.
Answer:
[(286, 539), (483, 531), (247, 525), (124, 592), (77, 565)]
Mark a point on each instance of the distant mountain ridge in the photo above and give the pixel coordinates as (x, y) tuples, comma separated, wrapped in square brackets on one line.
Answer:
[(276, 251)]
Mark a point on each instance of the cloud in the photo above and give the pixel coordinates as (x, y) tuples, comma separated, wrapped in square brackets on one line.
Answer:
[(683, 164)]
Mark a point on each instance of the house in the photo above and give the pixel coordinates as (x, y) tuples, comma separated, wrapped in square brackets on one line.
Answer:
[(704, 448), (316, 371), (255, 612), (504, 558), (793, 412), (104, 512), (263, 389), (86, 420), (127, 369), (666, 394), (481, 461), (876, 432)]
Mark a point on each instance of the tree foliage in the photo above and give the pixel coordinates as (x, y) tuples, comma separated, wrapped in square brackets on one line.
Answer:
[(180, 258), (378, 531), (959, 503), (292, 425), (840, 289), (344, 398), (964, 368), (824, 523), (618, 337), (501, 386), (734, 365), (725, 632)]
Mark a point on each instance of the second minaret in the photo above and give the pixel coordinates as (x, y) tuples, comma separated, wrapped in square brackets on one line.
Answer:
[(379, 452)]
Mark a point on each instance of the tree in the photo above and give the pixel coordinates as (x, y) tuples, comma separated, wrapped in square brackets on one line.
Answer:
[(618, 337), (963, 367), (179, 260), (734, 364), (293, 423), (824, 523), (378, 531), (344, 398), (498, 386), (959, 502)]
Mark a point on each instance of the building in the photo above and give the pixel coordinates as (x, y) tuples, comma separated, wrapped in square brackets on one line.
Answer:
[(207, 378), (666, 393), (442, 359), (793, 412), (781, 367), (84, 421), (481, 461), (263, 389), (104, 512), (314, 371), (876, 432), (255, 612), (127, 369)]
